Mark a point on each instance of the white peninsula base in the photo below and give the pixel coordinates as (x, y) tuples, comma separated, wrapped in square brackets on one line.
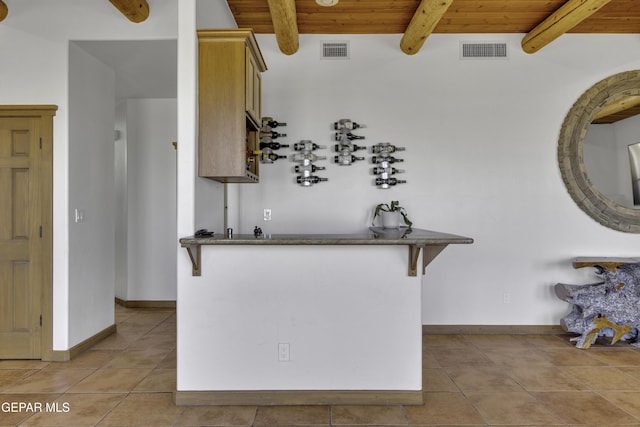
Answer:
[(301, 324)]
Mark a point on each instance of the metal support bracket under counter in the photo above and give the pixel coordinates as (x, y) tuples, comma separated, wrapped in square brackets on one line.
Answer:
[(431, 243)]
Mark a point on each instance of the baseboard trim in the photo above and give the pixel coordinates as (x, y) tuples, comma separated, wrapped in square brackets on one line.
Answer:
[(145, 303), (492, 330), (66, 355), (297, 397)]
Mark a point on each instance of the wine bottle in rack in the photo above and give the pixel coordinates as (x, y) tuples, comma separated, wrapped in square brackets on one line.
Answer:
[(347, 124), (268, 121), (308, 168), (271, 134), (389, 159), (267, 139), (273, 145), (388, 170), (348, 146), (299, 157), (309, 180), (268, 156), (389, 181), (306, 145), (346, 158), (385, 147), (273, 156), (347, 136)]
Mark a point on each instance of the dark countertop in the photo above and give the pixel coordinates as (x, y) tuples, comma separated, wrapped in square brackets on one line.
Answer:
[(416, 239), (373, 236)]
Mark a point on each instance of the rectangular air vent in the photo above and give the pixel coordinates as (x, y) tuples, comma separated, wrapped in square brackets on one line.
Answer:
[(334, 50), (483, 50)]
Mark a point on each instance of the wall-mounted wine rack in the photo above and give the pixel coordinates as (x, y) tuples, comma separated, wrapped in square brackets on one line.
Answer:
[(305, 157), (383, 159), (268, 143), (383, 154), (345, 146)]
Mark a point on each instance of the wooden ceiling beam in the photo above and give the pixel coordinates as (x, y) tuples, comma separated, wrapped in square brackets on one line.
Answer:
[(135, 10), (422, 23), (559, 22), (285, 24), (4, 10)]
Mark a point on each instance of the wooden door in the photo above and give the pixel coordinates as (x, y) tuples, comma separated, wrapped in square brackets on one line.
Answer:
[(25, 252)]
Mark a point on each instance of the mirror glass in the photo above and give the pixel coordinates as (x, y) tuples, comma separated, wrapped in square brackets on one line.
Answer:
[(598, 151), (612, 151)]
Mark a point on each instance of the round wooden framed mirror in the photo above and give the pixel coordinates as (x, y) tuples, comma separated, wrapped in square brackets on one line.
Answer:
[(613, 93)]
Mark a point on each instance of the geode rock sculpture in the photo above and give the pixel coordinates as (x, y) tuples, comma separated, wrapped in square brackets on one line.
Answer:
[(610, 308)]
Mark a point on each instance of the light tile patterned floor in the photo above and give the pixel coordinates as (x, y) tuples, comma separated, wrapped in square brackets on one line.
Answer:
[(468, 380)]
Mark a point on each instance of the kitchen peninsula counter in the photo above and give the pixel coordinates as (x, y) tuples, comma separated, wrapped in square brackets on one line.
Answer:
[(293, 319), (432, 242)]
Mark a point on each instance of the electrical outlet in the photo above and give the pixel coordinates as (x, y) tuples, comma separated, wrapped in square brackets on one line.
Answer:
[(267, 214), (283, 352), (506, 298)]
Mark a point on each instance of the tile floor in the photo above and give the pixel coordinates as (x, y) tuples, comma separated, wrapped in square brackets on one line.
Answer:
[(469, 380)]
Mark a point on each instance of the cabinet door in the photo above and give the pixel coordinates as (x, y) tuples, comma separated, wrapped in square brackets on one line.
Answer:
[(257, 94), (253, 88), (250, 71)]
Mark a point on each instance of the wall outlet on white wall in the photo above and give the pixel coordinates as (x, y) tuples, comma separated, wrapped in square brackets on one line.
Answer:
[(283, 352), (506, 298), (267, 214)]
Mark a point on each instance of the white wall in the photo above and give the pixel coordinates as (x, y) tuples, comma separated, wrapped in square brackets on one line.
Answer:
[(34, 40), (120, 204), (92, 194), (481, 138), (151, 199)]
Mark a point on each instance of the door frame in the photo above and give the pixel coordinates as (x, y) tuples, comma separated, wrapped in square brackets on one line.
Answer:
[(45, 113)]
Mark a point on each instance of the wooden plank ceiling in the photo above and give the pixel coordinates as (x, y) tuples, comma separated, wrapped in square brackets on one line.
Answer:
[(463, 16), (542, 21)]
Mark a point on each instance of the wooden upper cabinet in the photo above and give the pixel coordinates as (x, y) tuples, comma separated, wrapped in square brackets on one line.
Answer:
[(229, 104)]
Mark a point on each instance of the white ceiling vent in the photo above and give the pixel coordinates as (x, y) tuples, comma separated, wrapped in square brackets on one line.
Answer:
[(483, 50), (334, 50)]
